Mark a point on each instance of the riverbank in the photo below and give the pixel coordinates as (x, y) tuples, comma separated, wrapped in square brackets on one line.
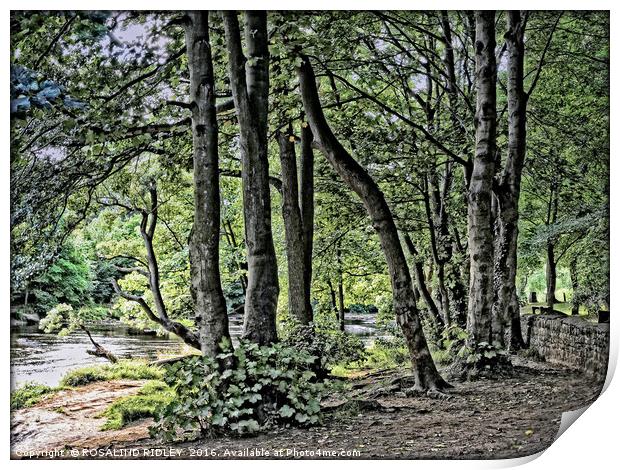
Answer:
[(500, 418)]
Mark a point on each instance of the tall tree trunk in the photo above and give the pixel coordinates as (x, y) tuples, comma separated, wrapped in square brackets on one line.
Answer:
[(298, 303), (506, 309), (211, 315), (249, 81), (356, 177), (306, 204), (479, 221), (551, 275), (441, 252)]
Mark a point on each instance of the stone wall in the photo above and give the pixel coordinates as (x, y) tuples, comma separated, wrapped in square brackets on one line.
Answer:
[(569, 341)]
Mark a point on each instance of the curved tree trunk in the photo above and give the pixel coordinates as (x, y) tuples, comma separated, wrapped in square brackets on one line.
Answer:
[(210, 304), (479, 217), (424, 370), (148, 224), (249, 81)]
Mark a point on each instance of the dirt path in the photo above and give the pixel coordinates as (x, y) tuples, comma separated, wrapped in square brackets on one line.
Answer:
[(70, 417), (510, 417)]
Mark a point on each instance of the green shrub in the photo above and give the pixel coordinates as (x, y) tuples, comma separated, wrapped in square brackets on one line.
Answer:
[(330, 345), (29, 395), (148, 402), (129, 370), (265, 386), (483, 356), (452, 341)]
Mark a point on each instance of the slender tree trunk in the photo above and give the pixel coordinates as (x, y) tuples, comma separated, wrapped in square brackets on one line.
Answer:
[(438, 239), (480, 185), (575, 285), (419, 276), (332, 297), (211, 315), (506, 309), (249, 80), (306, 204), (424, 370), (340, 289), (298, 303), (551, 275)]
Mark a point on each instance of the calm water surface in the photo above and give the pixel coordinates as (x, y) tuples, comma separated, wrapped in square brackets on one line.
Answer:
[(44, 358)]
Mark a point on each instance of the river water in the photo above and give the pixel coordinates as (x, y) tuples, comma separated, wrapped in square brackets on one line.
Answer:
[(44, 358)]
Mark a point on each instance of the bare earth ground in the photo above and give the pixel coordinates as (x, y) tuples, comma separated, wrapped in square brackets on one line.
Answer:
[(489, 419)]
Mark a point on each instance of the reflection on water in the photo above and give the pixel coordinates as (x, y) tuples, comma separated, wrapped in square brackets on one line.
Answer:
[(44, 358)]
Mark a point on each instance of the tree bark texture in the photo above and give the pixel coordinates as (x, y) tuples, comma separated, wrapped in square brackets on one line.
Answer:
[(298, 303), (506, 309), (249, 81), (306, 204), (479, 218), (358, 180), (210, 304)]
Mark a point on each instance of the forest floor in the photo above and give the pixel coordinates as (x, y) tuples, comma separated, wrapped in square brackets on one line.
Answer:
[(508, 417)]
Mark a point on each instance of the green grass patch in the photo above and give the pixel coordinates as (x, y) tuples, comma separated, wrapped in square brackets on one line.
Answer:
[(29, 395), (151, 398), (129, 370)]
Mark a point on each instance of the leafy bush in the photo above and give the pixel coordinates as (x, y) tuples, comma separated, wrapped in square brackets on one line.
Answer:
[(148, 402), (330, 345), (265, 386), (29, 395), (483, 356), (121, 370), (453, 339)]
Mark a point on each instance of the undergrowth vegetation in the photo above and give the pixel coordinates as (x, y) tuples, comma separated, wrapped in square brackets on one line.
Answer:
[(264, 386), (29, 395)]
